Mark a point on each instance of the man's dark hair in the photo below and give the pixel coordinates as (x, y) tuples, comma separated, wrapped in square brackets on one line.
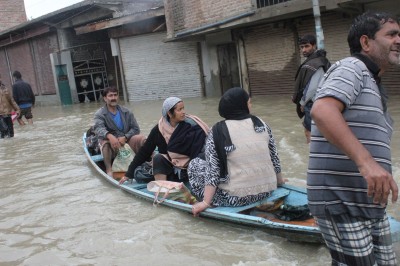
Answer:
[(308, 38), (367, 24), (17, 74), (108, 90)]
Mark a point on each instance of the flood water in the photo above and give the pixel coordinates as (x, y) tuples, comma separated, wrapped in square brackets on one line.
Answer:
[(56, 210)]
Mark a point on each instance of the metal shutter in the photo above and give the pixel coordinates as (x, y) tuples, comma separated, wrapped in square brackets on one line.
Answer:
[(336, 27), (271, 59), (156, 70)]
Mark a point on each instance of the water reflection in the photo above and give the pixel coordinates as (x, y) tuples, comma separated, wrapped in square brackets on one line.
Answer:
[(56, 210)]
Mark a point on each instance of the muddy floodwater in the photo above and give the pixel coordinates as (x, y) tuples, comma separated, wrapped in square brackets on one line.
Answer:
[(56, 210)]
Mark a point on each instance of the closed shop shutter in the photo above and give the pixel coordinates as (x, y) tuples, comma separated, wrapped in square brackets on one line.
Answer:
[(42, 48), (336, 27), (271, 59), (391, 80), (156, 70), (20, 57)]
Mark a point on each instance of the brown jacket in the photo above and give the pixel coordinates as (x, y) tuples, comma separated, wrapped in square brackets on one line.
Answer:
[(7, 103)]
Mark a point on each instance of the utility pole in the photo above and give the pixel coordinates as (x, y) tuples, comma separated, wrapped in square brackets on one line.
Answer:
[(318, 28)]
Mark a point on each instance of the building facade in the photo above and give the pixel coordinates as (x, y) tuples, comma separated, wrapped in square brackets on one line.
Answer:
[(253, 43), (152, 49)]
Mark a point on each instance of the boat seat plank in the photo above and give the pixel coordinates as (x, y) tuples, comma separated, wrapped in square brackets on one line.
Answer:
[(97, 158), (276, 194), (135, 185)]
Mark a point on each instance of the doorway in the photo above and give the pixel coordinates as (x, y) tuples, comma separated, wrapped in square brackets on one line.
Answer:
[(228, 66), (90, 78), (63, 85)]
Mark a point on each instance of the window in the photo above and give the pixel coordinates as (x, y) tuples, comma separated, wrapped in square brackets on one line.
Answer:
[(264, 3)]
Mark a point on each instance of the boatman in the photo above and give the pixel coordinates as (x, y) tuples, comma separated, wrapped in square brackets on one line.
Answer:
[(349, 174), (115, 125)]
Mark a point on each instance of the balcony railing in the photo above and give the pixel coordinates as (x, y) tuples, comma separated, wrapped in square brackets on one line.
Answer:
[(264, 3)]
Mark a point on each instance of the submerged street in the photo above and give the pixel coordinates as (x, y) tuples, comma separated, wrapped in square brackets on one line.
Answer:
[(56, 210)]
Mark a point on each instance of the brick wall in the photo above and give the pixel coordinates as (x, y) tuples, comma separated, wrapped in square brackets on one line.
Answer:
[(12, 13), (272, 53), (188, 14)]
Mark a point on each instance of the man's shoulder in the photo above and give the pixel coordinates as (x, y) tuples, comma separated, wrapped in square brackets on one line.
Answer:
[(319, 57), (351, 62), (21, 83), (124, 109), (100, 111)]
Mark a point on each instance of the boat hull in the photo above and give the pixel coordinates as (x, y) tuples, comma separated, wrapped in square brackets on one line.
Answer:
[(298, 231)]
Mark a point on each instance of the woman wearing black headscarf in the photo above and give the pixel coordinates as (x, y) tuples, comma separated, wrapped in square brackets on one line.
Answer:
[(242, 164)]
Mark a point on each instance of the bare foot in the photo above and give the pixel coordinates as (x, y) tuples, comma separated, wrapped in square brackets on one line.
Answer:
[(110, 173)]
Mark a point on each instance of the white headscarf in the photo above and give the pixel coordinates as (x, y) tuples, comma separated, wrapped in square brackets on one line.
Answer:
[(168, 104)]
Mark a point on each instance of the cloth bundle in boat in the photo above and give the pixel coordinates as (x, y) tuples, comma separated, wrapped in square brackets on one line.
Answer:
[(144, 173), (293, 213), (176, 191), (123, 159), (92, 141)]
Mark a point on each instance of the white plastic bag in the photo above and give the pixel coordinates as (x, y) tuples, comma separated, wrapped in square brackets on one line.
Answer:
[(123, 159)]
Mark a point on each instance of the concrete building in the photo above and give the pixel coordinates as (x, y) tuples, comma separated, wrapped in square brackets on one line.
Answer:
[(151, 67), (61, 67), (253, 43), (70, 55), (152, 49)]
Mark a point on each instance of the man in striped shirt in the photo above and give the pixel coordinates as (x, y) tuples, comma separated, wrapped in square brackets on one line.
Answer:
[(349, 175)]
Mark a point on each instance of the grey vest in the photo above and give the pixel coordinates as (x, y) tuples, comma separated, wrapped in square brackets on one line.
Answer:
[(249, 166)]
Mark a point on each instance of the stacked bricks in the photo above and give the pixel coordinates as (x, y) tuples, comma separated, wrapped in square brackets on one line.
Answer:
[(189, 14), (12, 13)]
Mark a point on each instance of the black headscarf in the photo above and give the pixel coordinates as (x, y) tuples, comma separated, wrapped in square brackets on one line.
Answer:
[(232, 106)]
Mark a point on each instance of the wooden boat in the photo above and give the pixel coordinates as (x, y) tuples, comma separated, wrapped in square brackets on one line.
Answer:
[(250, 215)]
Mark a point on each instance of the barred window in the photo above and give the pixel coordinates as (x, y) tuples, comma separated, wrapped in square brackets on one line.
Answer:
[(264, 3)]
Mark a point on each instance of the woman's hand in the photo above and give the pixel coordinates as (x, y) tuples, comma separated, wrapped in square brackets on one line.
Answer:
[(280, 180), (199, 207), (123, 179)]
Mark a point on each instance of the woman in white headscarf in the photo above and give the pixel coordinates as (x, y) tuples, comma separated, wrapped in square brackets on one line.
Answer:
[(179, 137)]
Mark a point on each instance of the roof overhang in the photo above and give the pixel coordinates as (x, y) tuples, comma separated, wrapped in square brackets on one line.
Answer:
[(65, 17), (270, 14), (120, 21)]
